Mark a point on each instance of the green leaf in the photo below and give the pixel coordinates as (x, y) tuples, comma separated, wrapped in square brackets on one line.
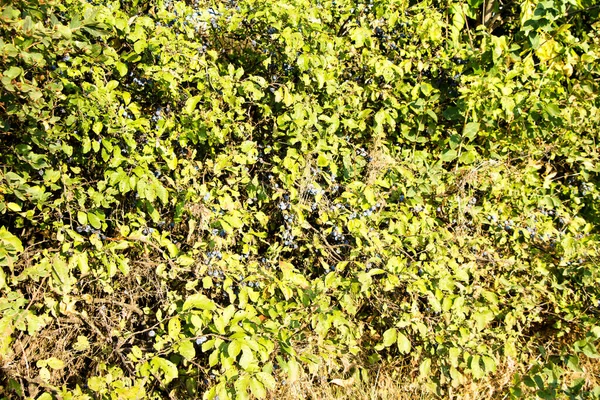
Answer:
[(199, 301), (553, 110), (82, 218), (168, 369), (187, 350), (404, 344), (471, 130), (185, 260), (112, 85), (483, 318), (234, 348), (258, 389), (65, 31), (82, 343), (590, 350), (360, 35), (389, 337), (595, 331), (322, 161), (489, 363), (140, 46), (267, 380), (94, 220), (96, 383), (35, 323), (190, 104), (247, 357), (121, 68), (12, 72), (370, 195), (161, 192), (468, 156), (55, 363), (97, 128), (219, 324), (241, 386), (448, 155), (10, 242), (196, 322), (425, 368), (476, 367), (213, 358), (174, 328), (453, 355), (14, 207), (45, 374), (454, 141), (573, 363)]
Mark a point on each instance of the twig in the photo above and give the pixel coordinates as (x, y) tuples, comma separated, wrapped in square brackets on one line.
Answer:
[(376, 382), (24, 357), (341, 30), (468, 29), (91, 324), (333, 252), (155, 247), (132, 307), (42, 384)]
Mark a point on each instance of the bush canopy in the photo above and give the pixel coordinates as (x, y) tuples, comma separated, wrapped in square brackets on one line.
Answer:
[(216, 199)]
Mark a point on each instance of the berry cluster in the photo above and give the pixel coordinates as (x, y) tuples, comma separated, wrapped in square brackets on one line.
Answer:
[(157, 115), (214, 254), (338, 237), (361, 152), (369, 211), (585, 188), (289, 238), (219, 232), (139, 82), (313, 191), (251, 284), (418, 209), (217, 274), (88, 230), (549, 213)]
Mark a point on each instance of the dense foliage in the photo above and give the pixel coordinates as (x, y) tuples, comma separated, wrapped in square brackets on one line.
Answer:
[(210, 198)]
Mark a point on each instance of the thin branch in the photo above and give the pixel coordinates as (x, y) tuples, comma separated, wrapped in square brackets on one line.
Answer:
[(131, 307)]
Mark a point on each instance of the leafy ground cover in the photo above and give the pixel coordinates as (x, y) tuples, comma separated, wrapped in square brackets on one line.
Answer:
[(299, 199)]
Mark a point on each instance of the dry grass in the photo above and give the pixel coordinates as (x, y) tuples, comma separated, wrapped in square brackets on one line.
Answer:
[(381, 385), (100, 317), (382, 382), (380, 161), (390, 383)]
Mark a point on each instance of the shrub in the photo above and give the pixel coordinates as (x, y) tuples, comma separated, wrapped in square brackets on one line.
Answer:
[(203, 199)]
